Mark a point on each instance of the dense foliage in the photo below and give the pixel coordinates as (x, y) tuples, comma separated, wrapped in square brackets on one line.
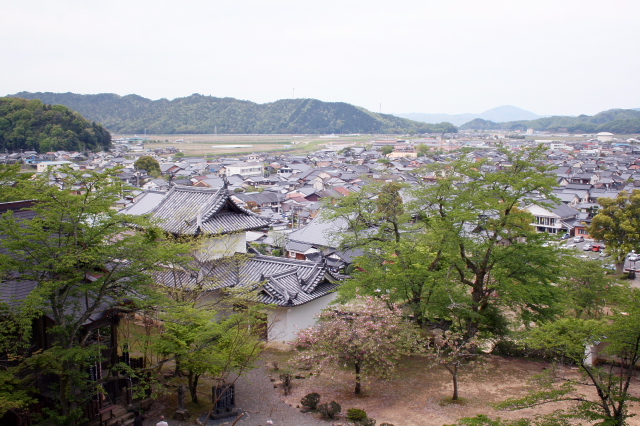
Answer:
[(71, 256), (608, 404), (33, 125), (613, 120), (618, 223), (208, 114), (149, 165), (461, 250)]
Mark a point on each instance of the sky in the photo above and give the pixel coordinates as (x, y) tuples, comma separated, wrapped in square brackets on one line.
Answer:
[(550, 57)]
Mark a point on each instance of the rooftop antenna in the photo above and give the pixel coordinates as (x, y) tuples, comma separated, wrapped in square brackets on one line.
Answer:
[(381, 108), (294, 93)]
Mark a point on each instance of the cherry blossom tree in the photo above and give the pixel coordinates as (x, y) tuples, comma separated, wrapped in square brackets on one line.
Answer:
[(368, 333), (452, 351)]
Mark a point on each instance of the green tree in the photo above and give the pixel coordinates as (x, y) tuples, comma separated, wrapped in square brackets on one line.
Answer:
[(572, 339), (148, 164), (468, 253), (618, 223), (486, 241), (411, 274), (81, 257), (200, 341), (9, 176), (587, 287), (178, 155), (347, 151), (386, 150), (423, 150)]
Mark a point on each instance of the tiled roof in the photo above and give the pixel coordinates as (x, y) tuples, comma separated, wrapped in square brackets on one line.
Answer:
[(281, 281), (146, 203), (320, 232), (191, 211)]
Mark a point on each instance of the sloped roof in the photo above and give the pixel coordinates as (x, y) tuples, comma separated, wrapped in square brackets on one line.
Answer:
[(280, 281), (319, 232), (190, 210), (145, 203)]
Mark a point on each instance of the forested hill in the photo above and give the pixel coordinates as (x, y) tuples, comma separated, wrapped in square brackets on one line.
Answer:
[(613, 120), (207, 114), (33, 125)]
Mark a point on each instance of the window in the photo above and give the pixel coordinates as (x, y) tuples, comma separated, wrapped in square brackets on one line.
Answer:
[(548, 221)]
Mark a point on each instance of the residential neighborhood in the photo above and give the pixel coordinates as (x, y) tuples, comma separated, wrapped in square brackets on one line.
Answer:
[(257, 224)]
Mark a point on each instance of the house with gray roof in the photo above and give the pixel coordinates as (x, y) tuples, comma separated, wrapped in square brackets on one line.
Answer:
[(552, 217), (295, 290)]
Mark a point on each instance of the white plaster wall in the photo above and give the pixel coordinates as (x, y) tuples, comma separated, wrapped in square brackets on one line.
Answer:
[(223, 246), (286, 322)]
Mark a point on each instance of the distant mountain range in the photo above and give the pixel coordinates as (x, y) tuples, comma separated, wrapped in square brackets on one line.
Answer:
[(509, 117), (499, 114), (621, 121), (208, 114)]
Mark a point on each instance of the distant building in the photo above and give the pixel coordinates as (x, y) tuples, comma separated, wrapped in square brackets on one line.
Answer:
[(45, 165), (244, 169), (604, 137)]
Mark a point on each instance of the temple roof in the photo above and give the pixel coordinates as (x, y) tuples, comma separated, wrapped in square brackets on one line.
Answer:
[(188, 210), (280, 281)]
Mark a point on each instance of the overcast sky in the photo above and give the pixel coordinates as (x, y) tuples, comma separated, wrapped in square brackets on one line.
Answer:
[(564, 57)]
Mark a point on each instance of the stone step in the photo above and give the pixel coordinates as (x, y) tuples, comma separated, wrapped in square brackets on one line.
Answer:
[(124, 419)]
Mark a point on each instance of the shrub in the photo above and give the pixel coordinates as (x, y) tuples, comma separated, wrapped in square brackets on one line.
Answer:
[(356, 414), (286, 378), (387, 424), (329, 410), (506, 347), (311, 400)]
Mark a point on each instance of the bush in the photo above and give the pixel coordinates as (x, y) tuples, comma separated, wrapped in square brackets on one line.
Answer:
[(286, 378), (311, 400), (387, 424), (356, 414), (513, 348), (329, 410)]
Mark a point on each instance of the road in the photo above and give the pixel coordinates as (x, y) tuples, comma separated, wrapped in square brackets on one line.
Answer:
[(601, 256)]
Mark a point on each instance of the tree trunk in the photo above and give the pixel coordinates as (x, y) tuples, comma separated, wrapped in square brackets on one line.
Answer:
[(177, 372), (357, 391), (453, 369), (455, 383), (193, 386)]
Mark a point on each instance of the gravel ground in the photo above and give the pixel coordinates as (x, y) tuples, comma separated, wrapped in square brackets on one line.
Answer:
[(260, 402)]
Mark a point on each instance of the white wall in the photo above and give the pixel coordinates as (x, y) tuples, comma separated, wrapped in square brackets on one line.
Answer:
[(223, 246), (286, 322)]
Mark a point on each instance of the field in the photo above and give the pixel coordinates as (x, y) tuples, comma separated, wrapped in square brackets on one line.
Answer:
[(211, 144)]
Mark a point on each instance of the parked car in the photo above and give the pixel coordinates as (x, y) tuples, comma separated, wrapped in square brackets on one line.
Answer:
[(578, 239), (596, 247), (587, 247), (565, 236), (633, 257)]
